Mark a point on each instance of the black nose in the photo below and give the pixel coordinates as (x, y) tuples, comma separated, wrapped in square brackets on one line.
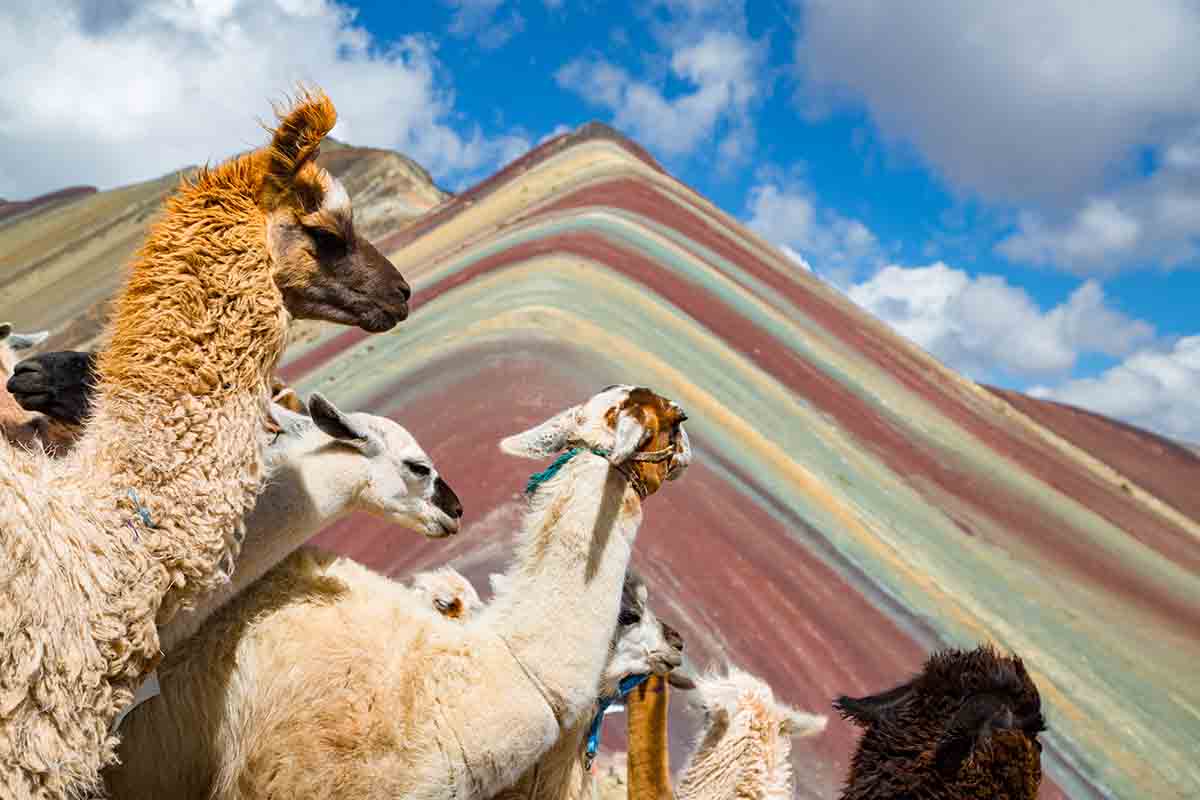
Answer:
[(405, 290), (445, 499)]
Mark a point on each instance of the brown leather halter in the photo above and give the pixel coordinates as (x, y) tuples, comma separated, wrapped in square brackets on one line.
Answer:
[(649, 456)]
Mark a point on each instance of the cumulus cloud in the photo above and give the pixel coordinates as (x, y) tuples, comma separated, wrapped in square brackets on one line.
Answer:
[(1154, 388), (1151, 222), (1013, 100), (477, 19), (1052, 106), (988, 329), (791, 219), (719, 65), (117, 92)]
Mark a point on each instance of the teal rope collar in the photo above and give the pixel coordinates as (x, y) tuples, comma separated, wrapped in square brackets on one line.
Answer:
[(627, 685), (538, 478)]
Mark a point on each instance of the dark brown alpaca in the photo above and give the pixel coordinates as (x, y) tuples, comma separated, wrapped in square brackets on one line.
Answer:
[(965, 727)]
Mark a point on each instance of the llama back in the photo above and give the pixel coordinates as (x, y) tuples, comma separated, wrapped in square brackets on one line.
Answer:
[(52, 678)]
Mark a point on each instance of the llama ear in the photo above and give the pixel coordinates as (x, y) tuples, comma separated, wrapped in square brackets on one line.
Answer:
[(629, 434), (330, 420), (297, 141), (799, 724), (27, 341), (865, 711), (546, 439)]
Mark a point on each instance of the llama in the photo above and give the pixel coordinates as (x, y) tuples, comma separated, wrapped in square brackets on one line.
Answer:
[(146, 513), (323, 467), (163, 731), (378, 469), (744, 749), (391, 707), (966, 726), (17, 425), (648, 764), (643, 647)]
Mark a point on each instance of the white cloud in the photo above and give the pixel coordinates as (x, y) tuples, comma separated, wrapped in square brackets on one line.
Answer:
[(476, 19), (790, 219), (1155, 388), (1049, 105), (986, 328), (111, 93), (1013, 99), (723, 72), (1151, 222)]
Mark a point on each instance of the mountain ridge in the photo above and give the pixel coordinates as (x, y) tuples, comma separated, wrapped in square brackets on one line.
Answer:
[(854, 502)]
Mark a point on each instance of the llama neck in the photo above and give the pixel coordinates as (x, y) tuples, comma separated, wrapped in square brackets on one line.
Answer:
[(181, 386), (560, 610), (649, 767), (311, 483), (559, 773)]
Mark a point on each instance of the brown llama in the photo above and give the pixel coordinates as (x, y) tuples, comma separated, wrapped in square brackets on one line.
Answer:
[(648, 770), (146, 513), (966, 726)]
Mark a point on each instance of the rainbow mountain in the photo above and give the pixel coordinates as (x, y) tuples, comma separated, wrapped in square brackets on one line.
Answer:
[(853, 503)]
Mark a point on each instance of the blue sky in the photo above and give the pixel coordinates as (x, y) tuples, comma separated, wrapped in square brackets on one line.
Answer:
[(1014, 185)]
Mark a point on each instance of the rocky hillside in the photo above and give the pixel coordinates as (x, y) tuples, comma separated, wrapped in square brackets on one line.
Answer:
[(853, 503)]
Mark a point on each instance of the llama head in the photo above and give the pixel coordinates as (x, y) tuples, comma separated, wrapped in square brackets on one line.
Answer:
[(58, 384), (399, 481), (745, 741), (641, 431), (642, 644), (970, 719), (13, 343), (739, 698), (323, 268), (449, 592)]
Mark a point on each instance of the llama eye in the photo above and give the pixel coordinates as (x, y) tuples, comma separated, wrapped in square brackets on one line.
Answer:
[(326, 242), (629, 618), (417, 468)]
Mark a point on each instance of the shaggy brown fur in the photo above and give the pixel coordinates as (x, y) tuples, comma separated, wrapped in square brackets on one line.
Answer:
[(147, 512), (965, 727), (649, 758)]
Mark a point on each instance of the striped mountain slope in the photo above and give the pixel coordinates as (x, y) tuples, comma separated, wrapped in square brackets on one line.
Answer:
[(853, 503)]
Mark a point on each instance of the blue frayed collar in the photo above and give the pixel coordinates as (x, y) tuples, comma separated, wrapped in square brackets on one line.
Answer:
[(538, 478), (627, 685)]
